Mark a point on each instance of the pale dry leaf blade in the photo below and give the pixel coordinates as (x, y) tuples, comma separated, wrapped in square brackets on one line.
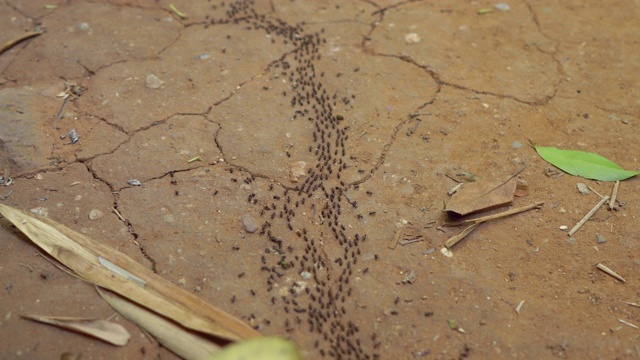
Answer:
[(82, 255), (104, 330), (184, 343)]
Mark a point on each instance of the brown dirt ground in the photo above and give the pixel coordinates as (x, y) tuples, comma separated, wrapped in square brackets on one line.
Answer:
[(562, 74)]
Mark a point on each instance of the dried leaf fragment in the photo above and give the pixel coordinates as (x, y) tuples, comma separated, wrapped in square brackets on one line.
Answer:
[(104, 330), (482, 195)]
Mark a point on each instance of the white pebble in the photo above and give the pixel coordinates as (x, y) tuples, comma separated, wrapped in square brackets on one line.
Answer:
[(412, 38), (95, 214)]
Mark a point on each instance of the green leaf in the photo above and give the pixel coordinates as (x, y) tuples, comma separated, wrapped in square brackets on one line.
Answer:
[(584, 164), (265, 348)]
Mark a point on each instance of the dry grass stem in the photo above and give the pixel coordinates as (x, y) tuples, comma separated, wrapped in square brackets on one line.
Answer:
[(459, 236), (614, 195), (610, 272), (588, 216), (497, 216)]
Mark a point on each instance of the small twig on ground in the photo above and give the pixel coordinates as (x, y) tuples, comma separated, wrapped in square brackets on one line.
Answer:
[(595, 192), (610, 272), (628, 323), (459, 236), (614, 195), (588, 216), (455, 189), (11, 43), (497, 216), (631, 304), (119, 215), (5, 197), (397, 236)]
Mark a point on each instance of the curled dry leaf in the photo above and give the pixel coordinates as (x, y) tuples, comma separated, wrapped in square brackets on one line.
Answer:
[(104, 330)]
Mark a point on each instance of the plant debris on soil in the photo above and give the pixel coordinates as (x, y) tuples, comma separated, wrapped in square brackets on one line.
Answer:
[(288, 162)]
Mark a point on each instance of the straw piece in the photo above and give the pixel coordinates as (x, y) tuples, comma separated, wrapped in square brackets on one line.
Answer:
[(588, 216)]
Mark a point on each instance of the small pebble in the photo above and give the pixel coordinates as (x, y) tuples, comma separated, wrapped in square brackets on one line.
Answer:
[(429, 251), (42, 211), (582, 188), (95, 214), (134, 182), (154, 82), (249, 223), (305, 275), (297, 170), (502, 6), (412, 38), (516, 145), (73, 136), (564, 227), (83, 26), (410, 278), (600, 239)]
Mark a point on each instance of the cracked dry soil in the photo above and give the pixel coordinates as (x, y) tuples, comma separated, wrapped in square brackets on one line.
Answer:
[(326, 125)]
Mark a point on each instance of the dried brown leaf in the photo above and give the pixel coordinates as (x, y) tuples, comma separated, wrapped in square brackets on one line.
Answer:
[(113, 270), (482, 195), (104, 330)]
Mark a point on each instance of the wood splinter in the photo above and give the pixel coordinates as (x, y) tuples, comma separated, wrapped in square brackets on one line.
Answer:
[(610, 272)]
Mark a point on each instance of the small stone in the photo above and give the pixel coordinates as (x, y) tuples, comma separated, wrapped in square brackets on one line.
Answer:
[(42, 211), (182, 282), (134, 182), (582, 188), (83, 26), (297, 170), (95, 214), (73, 136), (429, 251), (516, 145), (249, 223), (564, 227), (600, 239), (412, 38), (502, 6), (305, 275), (154, 82), (410, 278)]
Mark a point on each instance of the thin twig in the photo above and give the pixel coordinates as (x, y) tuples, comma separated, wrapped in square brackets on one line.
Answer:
[(459, 236), (610, 272), (119, 215), (9, 44), (595, 192), (614, 195), (497, 216), (588, 216), (455, 189), (629, 324), (397, 236)]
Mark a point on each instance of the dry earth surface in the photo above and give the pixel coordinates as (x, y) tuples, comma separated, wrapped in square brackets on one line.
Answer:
[(320, 128)]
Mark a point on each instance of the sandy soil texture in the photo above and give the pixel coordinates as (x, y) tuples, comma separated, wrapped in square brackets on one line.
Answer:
[(263, 154)]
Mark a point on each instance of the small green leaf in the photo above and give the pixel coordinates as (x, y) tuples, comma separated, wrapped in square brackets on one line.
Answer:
[(266, 348), (584, 164)]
